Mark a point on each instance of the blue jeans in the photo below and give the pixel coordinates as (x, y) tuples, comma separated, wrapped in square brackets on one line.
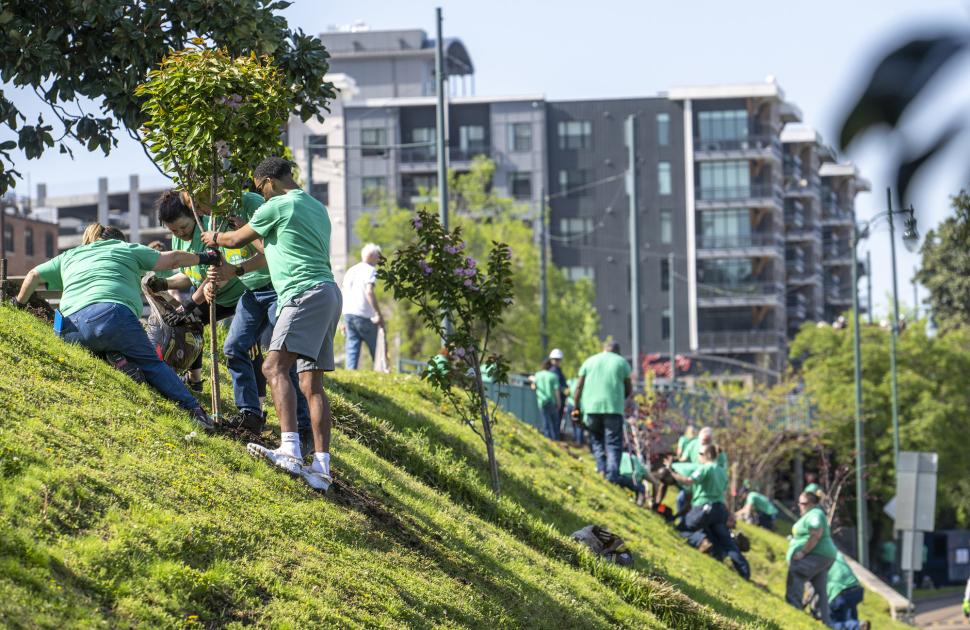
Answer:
[(255, 311), (843, 609), (606, 439), (550, 421), (712, 519), (359, 329), (109, 327)]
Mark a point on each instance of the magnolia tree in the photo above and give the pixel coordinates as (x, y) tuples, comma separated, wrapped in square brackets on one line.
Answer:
[(462, 304), (210, 119)]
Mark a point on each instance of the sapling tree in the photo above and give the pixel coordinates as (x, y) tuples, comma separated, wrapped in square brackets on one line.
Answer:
[(209, 119), (435, 273)]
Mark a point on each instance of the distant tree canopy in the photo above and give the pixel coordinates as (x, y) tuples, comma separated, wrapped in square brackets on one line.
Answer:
[(102, 49), (945, 268), (485, 217)]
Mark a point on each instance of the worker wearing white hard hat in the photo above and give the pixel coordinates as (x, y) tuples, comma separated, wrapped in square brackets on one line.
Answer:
[(555, 359), (556, 354)]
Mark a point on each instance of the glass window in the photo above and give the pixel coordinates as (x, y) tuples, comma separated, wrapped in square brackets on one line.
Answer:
[(49, 245), (471, 140), (663, 129), (575, 134), (417, 188), (8, 236), (666, 227), (572, 183), (665, 324), (725, 271), (521, 136), (373, 142), (29, 241), (575, 226), (520, 185), (664, 275), (723, 125), (577, 273), (321, 192), (663, 178), (373, 189), (725, 228), (730, 179), (318, 146)]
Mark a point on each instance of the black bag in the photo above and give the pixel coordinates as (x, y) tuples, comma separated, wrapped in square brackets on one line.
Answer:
[(604, 544), (177, 346)]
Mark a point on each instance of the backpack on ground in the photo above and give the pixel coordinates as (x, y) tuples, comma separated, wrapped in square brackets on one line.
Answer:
[(177, 346), (604, 544)]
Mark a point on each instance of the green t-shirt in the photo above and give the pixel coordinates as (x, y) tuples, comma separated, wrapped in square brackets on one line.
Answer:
[(710, 483), (258, 278), (296, 239), (103, 271), (840, 577), (693, 453), (632, 467), (438, 365), (230, 292), (682, 443), (603, 377), (813, 519), (547, 384), (761, 504)]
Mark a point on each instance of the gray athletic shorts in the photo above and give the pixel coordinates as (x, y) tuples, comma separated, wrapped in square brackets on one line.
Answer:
[(306, 325)]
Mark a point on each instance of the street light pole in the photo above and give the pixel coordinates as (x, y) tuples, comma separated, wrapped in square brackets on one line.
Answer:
[(672, 327), (860, 459), (895, 331)]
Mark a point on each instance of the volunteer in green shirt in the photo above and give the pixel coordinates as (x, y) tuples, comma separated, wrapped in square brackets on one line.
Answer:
[(101, 303), (844, 595), (811, 553), (295, 230), (601, 392), (682, 442), (708, 515), (548, 395), (757, 509)]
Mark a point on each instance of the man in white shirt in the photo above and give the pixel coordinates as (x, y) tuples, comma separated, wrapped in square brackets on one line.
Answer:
[(362, 313)]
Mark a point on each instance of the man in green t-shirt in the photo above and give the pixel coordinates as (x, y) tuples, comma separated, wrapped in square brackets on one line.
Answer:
[(811, 553), (548, 396), (844, 595), (708, 514), (601, 392), (757, 509), (295, 229)]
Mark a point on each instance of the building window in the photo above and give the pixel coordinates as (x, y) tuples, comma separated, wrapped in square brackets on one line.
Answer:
[(573, 183), (29, 241), (578, 273), (425, 135), (663, 129), (664, 275), (725, 271), (730, 179), (417, 188), (520, 136), (49, 245), (575, 226), (318, 146), (471, 140), (321, 192), (666, 227), (373, 142), (575, 134), (373, 190), (724, 125), (726, 228), (520, 185), (8, 237), (663, 178)]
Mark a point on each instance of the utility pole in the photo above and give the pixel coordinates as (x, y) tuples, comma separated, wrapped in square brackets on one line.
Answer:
[(895, 332), (672, 327), (860, 459), (308, 147), (543, 277), (869, 284), (440, 82), (631, 190), (915, 301)]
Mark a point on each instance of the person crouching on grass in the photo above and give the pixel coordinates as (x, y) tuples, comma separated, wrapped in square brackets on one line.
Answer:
[(101, 303), (295, 229)]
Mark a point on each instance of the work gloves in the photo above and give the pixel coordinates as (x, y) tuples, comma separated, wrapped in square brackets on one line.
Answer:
[(181, 314), (209, 257), (157, 284)]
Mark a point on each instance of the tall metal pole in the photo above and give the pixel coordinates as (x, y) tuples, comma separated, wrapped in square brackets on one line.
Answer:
[(672, 327), (895, 332), (308, 147), (543, 278), (441, 132), (869, 284), (631, 190), (860, 458), (915, 300)]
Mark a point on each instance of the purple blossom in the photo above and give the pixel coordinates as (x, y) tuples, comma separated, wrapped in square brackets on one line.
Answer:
[(416, 222), (425, 267), (461, 245), (459, 352), (470, 262), (451, 250), (468, 282)]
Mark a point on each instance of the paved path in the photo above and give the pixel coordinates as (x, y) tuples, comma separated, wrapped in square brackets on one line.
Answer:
[(944, 613)]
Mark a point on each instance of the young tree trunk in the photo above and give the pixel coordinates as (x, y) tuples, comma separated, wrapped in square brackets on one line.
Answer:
[(213, 337), (487, 431)]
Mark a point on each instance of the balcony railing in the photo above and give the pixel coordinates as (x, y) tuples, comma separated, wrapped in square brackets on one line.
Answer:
[(795, 184), (738, 241), (834, 212), (752, 191), (741, 290), (838, 294), (412, 155), (740, 340), (749, 143)]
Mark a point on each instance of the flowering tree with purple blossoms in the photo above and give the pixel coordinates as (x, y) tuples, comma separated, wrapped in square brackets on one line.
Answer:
[(434, 273)]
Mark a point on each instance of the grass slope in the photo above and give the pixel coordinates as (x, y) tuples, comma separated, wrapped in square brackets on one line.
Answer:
[(110, 517)]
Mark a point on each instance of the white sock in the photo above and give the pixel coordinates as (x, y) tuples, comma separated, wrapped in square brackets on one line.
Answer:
[(290, 444), (321, 463), (262, 402)]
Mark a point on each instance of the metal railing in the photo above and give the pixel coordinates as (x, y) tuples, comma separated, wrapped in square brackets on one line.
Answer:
[(739, 290), (740, 340), (754, 142), (411, 155), (734, 241), (752, 191)]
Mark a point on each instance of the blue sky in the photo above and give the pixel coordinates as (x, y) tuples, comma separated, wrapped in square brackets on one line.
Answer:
[(818, 51)]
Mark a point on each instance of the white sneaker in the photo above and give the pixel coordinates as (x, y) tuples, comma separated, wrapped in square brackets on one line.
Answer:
[(288, 463), (315, 479)]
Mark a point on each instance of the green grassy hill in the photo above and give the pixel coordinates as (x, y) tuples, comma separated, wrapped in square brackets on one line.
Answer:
[(110, 516)]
